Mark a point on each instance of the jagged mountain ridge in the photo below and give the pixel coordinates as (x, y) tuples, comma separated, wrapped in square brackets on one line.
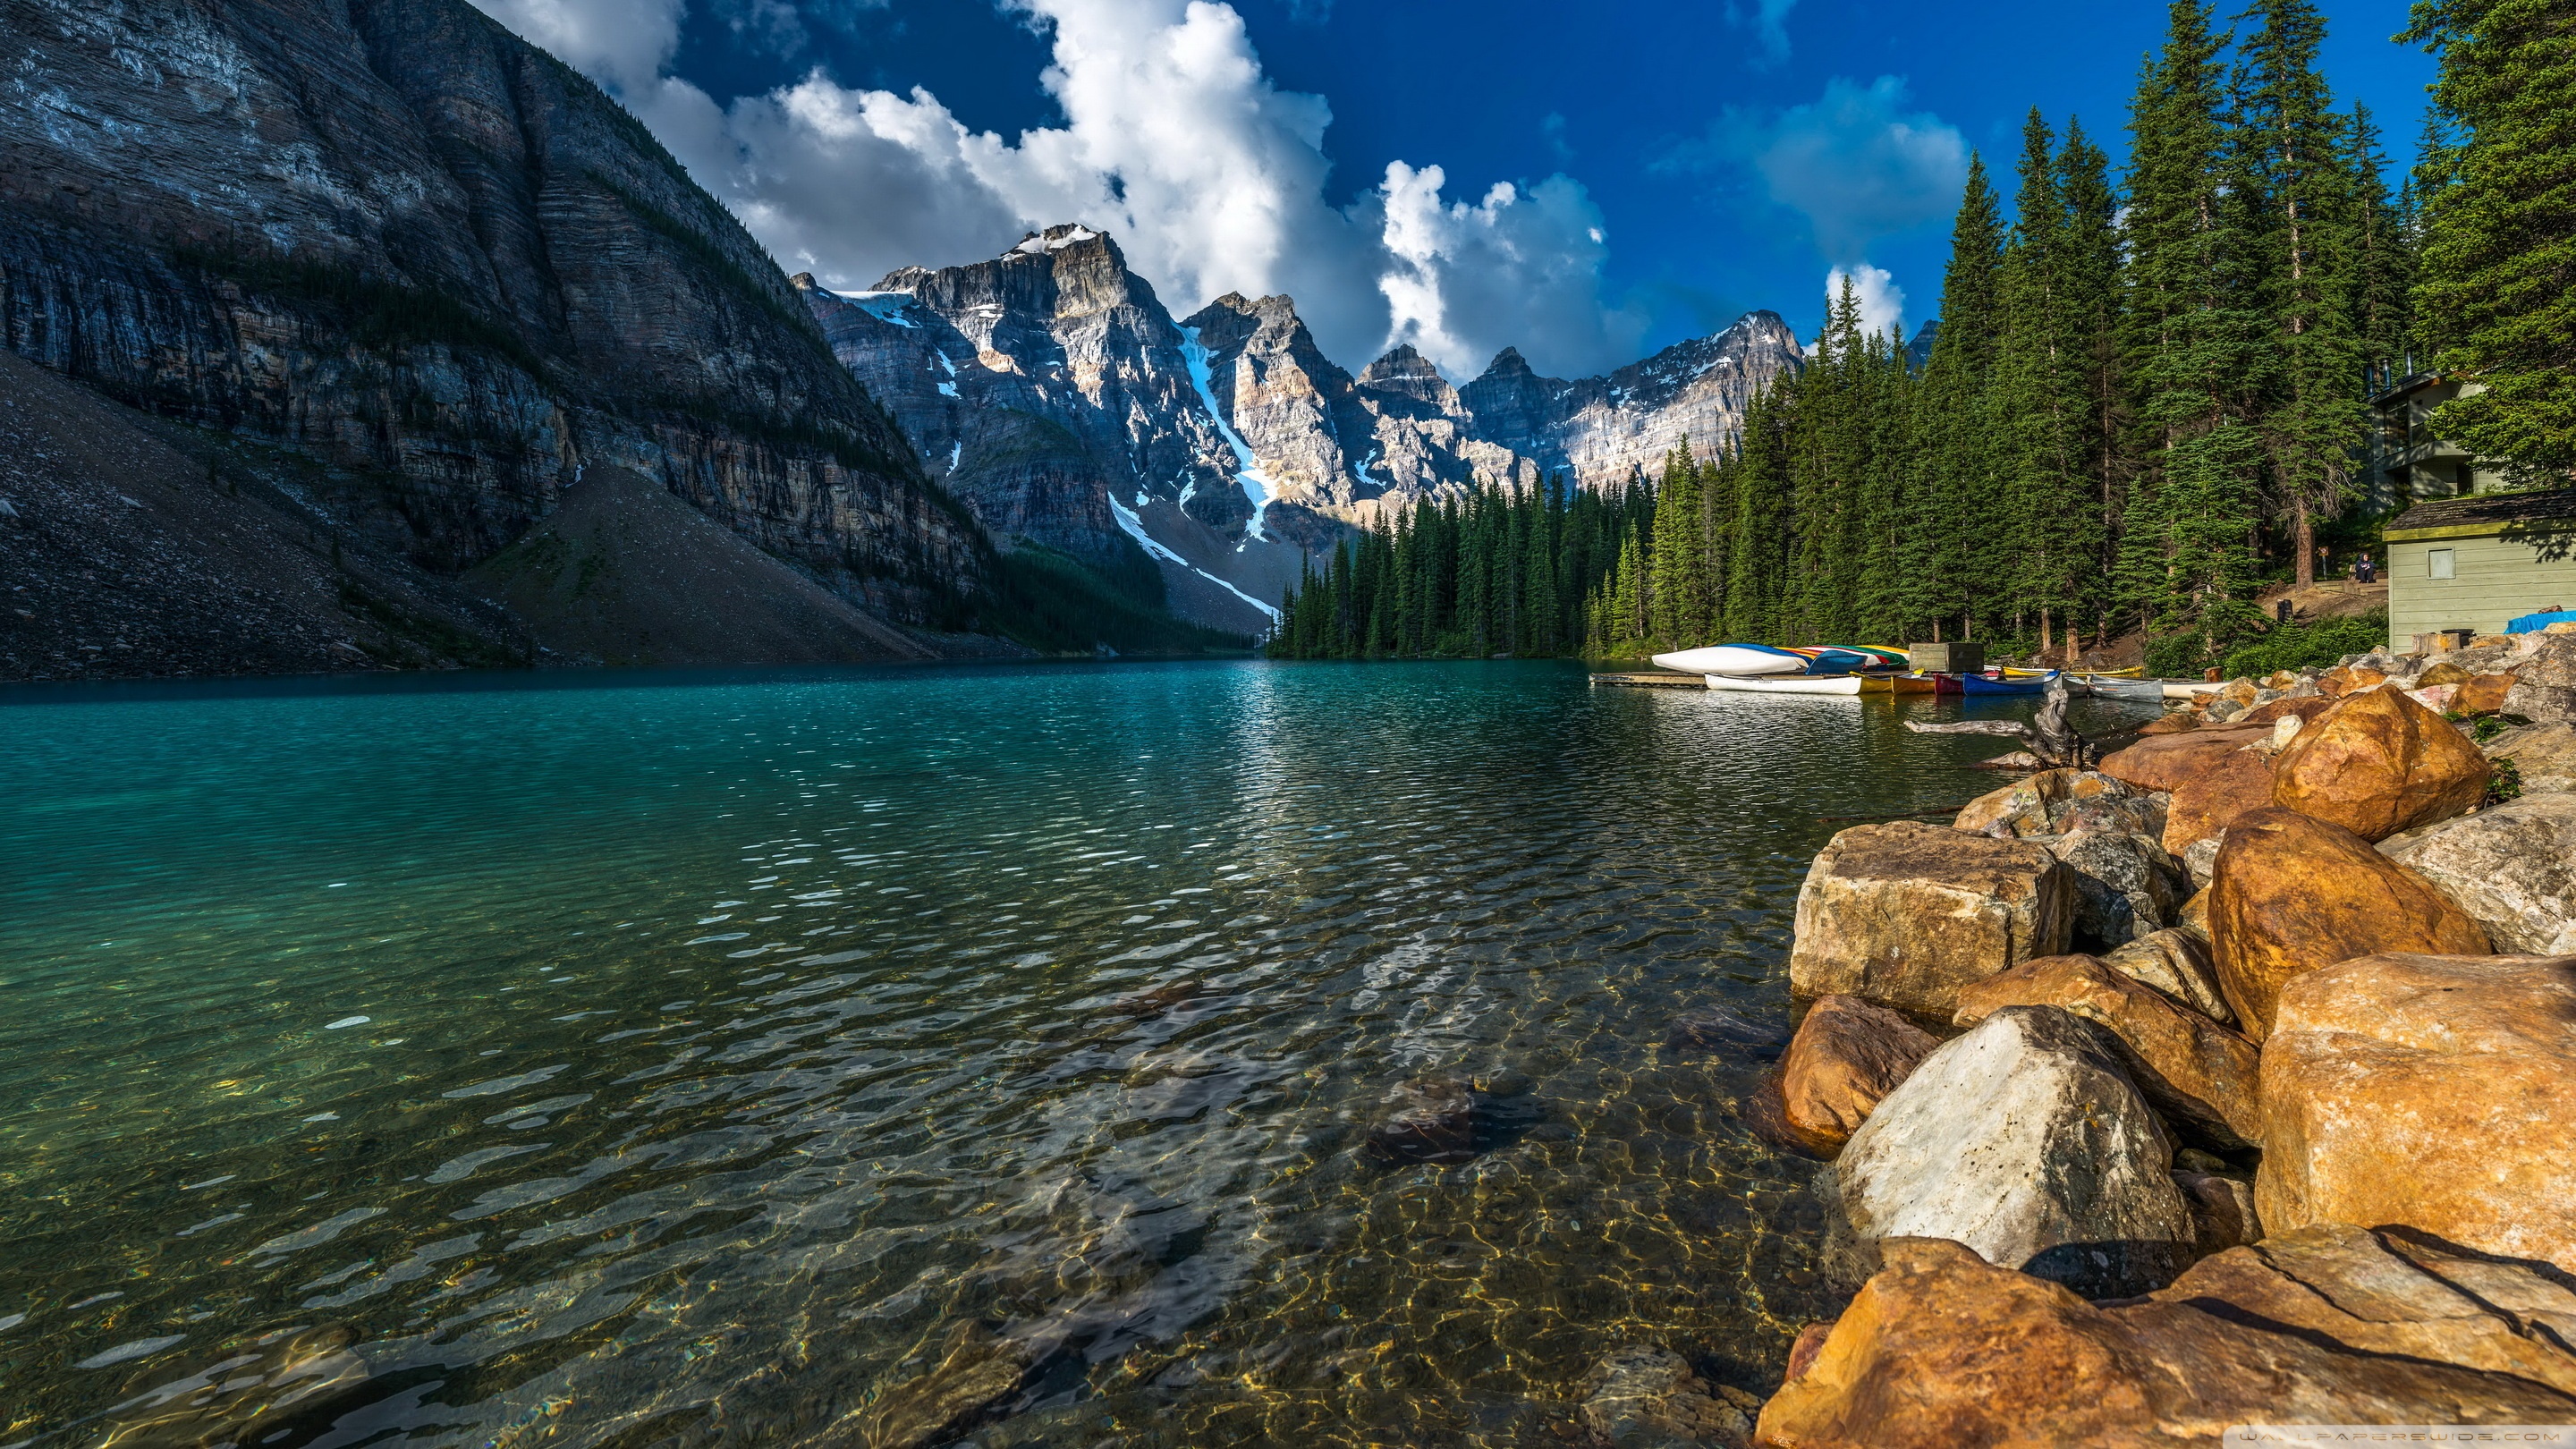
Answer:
[(1052, 392), (442, 267)]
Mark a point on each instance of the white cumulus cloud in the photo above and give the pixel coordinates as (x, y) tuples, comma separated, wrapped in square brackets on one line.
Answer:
[(1175, 140), (1882, 302)]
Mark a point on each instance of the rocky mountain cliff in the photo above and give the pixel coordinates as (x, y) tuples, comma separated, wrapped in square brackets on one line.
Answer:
[(1050, 390), (443, 268), (1054, 395)]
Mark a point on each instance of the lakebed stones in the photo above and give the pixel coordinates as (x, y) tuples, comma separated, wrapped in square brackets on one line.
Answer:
[(2324, 1325), (2511, 867), (2175, 962), (2025, 1140), (2202, 1075), (1643, 1396), (971, 1376), (2379, 763), (1905, 913), (2438, 1092), (2291, 893), (1848, 1055)]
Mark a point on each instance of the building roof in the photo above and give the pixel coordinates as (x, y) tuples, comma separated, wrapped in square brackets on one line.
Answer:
[(2484, 512)]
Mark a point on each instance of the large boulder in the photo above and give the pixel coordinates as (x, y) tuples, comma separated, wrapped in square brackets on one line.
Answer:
[(2327, 1325), (2434, 1091), (2379, 763), (1905, 913), (2305, 707), (2125, 885), (2202, 1075), (2543, 754), (2161, 762), (1848, 1055), (2226, 786), (2053, 802), (2512, 868), (2483, 694), (2291, 893), (2025, 1140), (2175, 962)]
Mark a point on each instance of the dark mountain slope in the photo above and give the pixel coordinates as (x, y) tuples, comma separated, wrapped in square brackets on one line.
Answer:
[(389, 234)]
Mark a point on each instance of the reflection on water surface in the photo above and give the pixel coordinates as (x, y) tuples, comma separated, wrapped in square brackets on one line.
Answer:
[(799, 1059)]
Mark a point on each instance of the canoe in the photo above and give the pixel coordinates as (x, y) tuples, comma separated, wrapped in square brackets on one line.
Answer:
[(2014, 671), (1883, 656), (2136, 691), (1735, 659), (1786, 683), (1913, 684), (1980, 684)]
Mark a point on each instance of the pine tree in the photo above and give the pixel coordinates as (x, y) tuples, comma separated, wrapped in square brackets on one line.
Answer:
[(1680, 608), (2498, 282), (2294, 159), (1948, 470), (2037, 405)]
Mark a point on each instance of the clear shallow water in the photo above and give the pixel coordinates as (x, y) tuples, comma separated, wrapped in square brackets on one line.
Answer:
[(704, 1060)]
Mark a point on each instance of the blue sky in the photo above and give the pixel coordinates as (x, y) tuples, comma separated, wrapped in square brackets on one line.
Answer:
[(1706, 159)]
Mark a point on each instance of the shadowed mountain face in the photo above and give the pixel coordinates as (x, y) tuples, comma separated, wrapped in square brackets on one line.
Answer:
[(394, 238)]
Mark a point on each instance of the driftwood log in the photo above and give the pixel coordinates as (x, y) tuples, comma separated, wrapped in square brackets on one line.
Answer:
[(2047, 736)]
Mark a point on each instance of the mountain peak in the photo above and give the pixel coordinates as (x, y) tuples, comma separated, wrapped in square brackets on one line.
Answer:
[(1056, 238), (1508, 363)]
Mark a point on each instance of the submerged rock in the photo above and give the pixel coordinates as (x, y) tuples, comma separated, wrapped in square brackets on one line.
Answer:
[(2329, 1324), (1433, 1119), (2379, 763), (1904, 913), (2199, 1073), (1640, 1396), (1848, 1055), (2291, 893), (2512, 868), (973, 1374), (2434, 1091), (1724, 1031), (283, 1378), (2026, 1141)]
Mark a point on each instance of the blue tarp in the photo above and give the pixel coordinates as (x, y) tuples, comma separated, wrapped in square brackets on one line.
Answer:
[(2534, 623)]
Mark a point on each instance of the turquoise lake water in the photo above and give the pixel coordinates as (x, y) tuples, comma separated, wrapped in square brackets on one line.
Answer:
[(706, 1059)]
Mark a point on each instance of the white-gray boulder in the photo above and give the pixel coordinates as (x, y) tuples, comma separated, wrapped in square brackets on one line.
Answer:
[(2511, 868), (2025, 1141), (2544, 755)]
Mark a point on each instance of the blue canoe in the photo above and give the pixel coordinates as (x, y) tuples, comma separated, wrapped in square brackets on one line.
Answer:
[(1980, 684)]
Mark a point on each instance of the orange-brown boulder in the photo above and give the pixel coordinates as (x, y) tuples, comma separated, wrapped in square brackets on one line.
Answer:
[(2438, 1092), (2306, 707), (1847, 1055), (1904, 913), (2197, 1072), (2344, 679), (2291, 893), (2379, 763), (2441, 672), (2483, 694), (2161, 762), (2206, 803), (2178, 722), (2328, 1325), (2021, 808)]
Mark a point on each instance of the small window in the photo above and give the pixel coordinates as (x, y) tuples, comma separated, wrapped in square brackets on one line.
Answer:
[(2437, 564)]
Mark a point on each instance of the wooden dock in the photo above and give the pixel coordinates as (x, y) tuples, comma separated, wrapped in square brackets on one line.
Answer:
[(1660, 679)]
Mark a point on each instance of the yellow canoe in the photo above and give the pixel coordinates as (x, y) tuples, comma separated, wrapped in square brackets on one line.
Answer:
[(2132, 672), (1897, 684)]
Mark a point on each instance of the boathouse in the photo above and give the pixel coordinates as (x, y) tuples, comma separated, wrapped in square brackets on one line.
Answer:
[(2479, 562)]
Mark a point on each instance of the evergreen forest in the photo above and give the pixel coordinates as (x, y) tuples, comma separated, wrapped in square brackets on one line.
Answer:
[(2147, 395)]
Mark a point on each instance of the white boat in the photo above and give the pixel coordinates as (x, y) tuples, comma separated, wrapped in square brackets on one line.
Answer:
[(1734, 659), (1787, 684)]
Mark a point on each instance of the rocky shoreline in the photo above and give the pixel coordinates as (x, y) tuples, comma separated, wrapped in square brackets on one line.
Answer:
[(2258, 1096)]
